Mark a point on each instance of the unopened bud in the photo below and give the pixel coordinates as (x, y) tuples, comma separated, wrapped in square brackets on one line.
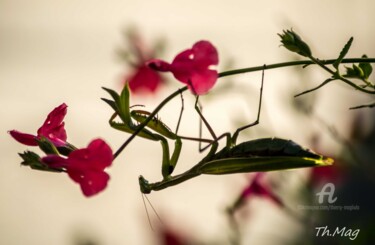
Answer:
[(34, 161), (294, 43)]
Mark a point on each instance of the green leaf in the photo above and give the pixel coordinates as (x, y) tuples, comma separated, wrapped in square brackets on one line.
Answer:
[(366, 68), (343, 52), (121, 103), (124, 104), (111, 103), (113, 94), (354, 72)]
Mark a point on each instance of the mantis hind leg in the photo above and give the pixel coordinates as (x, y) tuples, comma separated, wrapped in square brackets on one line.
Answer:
[(198, 108), (181, 112), (235, 135), (213, 143)]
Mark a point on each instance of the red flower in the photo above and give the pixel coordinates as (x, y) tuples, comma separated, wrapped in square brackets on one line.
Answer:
[(192, 67), (86, 166), (52, 129)]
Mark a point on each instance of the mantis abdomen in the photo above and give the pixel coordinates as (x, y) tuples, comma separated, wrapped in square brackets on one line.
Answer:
[(261, 155), (266, 147)]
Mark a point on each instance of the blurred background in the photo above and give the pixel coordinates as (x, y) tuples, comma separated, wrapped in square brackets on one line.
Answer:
[(53, 52)]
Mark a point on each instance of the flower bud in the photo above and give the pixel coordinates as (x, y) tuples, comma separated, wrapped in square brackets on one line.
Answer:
[(33, 160), (294, 43), (47, 146)]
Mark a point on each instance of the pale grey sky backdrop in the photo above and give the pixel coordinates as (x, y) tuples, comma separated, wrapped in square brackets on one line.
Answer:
[(64, 51)]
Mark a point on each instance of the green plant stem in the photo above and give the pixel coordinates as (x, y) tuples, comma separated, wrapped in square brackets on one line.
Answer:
[(293, 63), (363, 106), (336, 75), (321, 63)]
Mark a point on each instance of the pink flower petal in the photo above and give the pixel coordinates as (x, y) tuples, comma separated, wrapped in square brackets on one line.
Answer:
[(86, 166), (97, 156), (193, 67), (202, 82), (257, 188), (94, 182), (55, 161), (91, 182), (101, 153), (26, 139), (144, 79), (205, 54), (53, 126)]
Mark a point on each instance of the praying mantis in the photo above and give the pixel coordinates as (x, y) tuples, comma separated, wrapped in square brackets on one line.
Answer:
[(259, 155)]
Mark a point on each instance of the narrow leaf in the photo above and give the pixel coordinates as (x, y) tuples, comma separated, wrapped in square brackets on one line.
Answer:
[(111, 103), (343, 52), (124, 104), (113, 94)]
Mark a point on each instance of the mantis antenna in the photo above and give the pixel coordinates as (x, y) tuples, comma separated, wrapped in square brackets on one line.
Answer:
[(148, 215)]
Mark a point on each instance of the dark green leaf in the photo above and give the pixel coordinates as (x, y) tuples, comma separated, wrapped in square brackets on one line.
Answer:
[(354, 72), (124, 104), (366, 68), (111, 103), (113, 94)]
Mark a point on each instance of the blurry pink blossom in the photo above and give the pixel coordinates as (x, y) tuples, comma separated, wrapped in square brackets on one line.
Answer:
[(141, 78), (256, 188)]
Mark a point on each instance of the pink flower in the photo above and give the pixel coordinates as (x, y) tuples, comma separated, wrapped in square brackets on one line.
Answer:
[(52, 129), (322, 175), (192, 67), (144, 79), (86, 166), (255, 188), (141, 79)]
